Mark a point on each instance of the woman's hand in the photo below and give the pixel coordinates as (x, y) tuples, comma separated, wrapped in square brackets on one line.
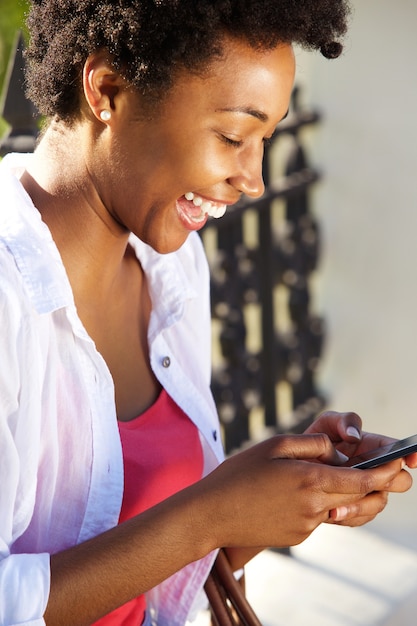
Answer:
[(344, 430), (271, 495)]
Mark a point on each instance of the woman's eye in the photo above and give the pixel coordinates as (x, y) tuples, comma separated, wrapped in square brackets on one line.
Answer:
[(231, 142)]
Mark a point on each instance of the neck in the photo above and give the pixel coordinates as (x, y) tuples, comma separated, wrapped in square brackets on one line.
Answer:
[(91, 242)]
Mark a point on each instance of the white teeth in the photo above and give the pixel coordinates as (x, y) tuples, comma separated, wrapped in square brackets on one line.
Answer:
[(215, 211), (206, 206), (220, 211)]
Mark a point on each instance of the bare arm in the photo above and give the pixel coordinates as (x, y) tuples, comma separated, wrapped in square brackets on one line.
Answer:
[(111, 569)]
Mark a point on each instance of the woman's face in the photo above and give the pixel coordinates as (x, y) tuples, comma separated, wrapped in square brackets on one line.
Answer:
[(201, 150)]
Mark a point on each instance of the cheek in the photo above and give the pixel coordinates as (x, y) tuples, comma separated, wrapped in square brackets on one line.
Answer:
[(204, 167), (193, 149)]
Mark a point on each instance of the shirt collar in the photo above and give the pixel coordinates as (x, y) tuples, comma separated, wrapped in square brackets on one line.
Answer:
[(168, 283), (29, 240)]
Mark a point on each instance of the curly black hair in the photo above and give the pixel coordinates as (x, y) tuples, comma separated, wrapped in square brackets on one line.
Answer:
[(149, 40)]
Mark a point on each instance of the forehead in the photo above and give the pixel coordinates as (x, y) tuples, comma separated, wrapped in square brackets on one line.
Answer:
[(245, 61), (242, 79), (256, 74)]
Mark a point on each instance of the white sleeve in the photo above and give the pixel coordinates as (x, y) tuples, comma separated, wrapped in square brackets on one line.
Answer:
[(24, 578), (24, 589)]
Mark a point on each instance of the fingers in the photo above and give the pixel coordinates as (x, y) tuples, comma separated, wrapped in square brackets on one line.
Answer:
[(316, 447), (411, 460), (338, 426), (401, 482), (360, 512), (390, 477), (367, 508)]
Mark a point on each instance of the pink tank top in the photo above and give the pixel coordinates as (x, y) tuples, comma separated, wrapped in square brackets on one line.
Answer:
[(161, 454)]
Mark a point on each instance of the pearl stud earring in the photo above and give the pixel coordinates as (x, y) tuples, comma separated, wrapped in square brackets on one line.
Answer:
[(105, 115)]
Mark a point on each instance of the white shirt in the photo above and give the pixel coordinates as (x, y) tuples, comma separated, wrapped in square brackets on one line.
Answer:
[(61, 469)]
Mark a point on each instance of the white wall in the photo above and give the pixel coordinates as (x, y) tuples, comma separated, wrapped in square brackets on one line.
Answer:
[(367, 208)]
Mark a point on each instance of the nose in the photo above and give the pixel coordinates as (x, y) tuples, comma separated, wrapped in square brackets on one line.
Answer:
[(248, 178)]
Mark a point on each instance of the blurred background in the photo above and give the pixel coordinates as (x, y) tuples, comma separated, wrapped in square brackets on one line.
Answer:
[(367, 209), (11, 18)]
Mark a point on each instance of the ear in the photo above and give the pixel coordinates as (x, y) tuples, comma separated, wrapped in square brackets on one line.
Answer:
[(101, 85)]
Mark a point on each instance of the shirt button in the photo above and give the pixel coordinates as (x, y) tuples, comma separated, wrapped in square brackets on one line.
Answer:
[(166, 361), (215, 435)]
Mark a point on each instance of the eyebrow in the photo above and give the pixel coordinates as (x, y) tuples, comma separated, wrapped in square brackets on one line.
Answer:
[(259, 115)]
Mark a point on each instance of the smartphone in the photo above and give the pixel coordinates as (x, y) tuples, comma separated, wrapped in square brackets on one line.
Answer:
[(382, 455)]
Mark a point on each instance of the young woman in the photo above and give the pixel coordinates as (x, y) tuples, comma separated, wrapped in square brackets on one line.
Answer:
[(114, 494)]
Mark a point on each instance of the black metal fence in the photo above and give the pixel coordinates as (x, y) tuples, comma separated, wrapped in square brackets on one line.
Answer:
[(262, 254)]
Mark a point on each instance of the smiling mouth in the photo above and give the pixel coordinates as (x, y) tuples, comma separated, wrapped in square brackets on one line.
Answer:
[(200, 207)]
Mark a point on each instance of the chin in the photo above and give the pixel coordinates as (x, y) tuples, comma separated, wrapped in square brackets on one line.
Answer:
[(166, 247)]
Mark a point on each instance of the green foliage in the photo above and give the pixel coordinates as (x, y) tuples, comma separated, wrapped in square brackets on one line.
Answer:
[(12, 17)]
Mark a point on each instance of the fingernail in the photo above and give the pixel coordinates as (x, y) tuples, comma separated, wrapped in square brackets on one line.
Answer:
[(342, 456), (341, 513), (353, 432)]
